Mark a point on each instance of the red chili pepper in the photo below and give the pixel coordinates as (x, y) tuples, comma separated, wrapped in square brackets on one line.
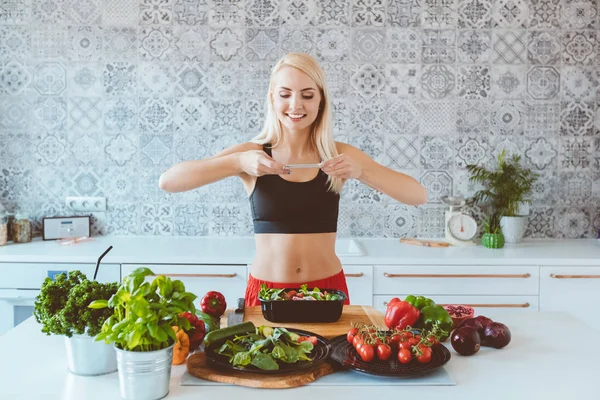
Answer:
[(400, 314), (213, 303)]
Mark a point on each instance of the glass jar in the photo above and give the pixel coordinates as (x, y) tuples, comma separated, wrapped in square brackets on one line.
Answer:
[(21, 229), (3, 229)]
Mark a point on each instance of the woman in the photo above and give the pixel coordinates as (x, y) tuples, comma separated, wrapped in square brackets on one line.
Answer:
[(294, 210)]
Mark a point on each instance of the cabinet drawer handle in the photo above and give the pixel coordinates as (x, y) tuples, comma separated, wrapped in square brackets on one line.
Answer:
[(357, 275), (527, 275), (524, 305), (199, 275), (574, 276)]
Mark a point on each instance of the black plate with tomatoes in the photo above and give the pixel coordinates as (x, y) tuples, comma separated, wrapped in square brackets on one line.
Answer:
[(345, 354), (320, 353)]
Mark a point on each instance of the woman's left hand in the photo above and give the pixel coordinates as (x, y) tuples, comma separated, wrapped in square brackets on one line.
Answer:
[(342, 166)]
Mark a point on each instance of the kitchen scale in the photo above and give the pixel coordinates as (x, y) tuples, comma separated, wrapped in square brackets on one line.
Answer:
[(459, 228)]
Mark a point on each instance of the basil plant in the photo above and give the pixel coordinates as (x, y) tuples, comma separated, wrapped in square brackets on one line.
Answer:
[(144, 313)]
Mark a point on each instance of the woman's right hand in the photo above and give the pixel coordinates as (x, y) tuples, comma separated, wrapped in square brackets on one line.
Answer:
[(258, 163)]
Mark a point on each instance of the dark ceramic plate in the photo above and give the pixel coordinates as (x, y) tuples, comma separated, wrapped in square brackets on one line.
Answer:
[(320, 353), (345, 354)]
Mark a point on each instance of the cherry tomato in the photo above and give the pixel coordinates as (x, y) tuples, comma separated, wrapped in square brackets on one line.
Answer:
[(395, 340), (404, 356), (413, 341), (357, 339), (425, 356), (312, 339), (406, 334), (366, 352), (418, 337), (383, 352), (378, 342), (405, 345), (432, 340), (351, 333)]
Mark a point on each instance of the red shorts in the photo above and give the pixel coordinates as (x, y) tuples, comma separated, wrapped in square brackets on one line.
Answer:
[(337, 281)]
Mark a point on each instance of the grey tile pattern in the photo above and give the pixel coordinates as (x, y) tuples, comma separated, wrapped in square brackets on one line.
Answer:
[(99, 97)]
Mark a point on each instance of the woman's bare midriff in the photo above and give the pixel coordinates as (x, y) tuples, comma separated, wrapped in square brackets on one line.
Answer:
[(295, 258)]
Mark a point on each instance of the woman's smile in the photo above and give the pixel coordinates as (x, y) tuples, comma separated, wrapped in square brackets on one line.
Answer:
[(295, 117)]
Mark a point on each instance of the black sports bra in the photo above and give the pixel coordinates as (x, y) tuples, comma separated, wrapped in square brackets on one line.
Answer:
[(281, 206)]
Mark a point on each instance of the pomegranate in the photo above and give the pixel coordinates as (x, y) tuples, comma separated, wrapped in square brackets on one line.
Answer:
[(459, 313)]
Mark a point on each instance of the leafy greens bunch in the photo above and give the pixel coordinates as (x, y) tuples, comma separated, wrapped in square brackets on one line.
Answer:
[(62, 305), (289, 294), (143, 314), (262, 348)]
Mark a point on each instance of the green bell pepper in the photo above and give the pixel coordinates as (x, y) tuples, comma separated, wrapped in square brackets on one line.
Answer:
[(436, 314), (419, 301)]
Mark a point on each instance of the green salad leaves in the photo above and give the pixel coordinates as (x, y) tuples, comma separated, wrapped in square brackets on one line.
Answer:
[(264, 347), (290, 294)]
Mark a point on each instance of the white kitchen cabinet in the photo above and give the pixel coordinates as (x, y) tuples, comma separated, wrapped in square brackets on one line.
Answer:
[(31, 275), (573, 289), (20, 283), (483, 305), (230, 280), (456, 280), (359, 279)]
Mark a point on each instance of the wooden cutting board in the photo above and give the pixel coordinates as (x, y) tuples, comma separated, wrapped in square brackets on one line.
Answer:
[(329, 330), (426, 243), (198, 367), (197, 364)]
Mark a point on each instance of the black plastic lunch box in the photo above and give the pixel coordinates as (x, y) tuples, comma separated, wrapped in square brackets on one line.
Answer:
[(304, 310)]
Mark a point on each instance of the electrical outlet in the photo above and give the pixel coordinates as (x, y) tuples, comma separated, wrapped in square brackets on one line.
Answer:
[(86, 204)]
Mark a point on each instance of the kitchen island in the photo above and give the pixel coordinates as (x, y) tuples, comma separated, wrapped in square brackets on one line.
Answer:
[(552, 356)]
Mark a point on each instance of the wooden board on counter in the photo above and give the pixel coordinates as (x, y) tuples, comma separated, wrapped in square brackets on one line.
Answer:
[(350, 314), (197, 366), (426, 243)]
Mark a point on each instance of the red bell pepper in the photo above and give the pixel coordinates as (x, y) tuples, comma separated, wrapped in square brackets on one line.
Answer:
[(197, 331), (400, 314), (213, 303)]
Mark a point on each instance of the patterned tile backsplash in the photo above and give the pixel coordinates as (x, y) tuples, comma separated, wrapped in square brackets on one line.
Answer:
[(98, 97)]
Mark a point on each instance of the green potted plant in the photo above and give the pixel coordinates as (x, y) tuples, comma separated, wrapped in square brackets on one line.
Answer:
[(140, 325), (62, 309), (492, 236), (506, 191)]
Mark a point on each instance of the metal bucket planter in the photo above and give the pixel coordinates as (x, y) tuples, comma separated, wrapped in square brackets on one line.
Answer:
[(85, 356), (144, 375)]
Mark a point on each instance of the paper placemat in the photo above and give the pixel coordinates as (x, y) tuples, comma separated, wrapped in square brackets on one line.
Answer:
[(439, 377)]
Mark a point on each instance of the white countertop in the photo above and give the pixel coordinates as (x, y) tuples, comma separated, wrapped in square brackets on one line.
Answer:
[(551, 356), (240, 250)]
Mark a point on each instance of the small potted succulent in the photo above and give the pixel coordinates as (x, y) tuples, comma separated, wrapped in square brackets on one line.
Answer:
[(507, 190), (143, 324), (62, 309), (492, 236)]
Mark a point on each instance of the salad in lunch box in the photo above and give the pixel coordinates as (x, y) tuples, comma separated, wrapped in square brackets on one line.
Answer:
[(292, 294)]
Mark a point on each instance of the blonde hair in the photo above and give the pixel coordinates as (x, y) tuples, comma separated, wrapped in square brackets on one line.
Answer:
[(321, 135)]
